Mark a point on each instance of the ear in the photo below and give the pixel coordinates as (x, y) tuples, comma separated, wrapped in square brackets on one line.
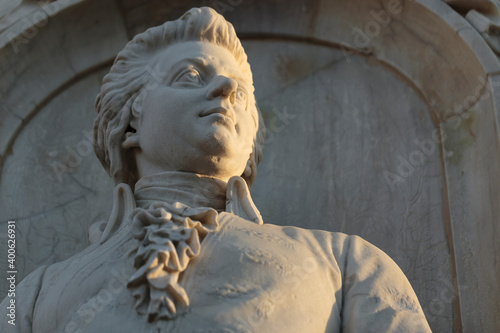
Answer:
[(248, 169), (132, 133), (131, 138)]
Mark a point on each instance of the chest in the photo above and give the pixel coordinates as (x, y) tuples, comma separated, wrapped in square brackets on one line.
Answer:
[(247, 278), (258, 279)]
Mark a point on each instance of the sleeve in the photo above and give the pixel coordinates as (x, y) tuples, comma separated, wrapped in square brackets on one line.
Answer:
[(376, 295), (20, 318)]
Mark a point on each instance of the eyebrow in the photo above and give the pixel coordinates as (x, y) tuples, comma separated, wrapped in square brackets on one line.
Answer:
[(200, 62)]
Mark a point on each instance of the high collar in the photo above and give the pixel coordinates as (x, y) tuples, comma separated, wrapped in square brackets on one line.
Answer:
[(188, 188)]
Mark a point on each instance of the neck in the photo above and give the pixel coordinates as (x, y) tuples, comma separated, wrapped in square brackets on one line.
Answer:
[(188, 188)]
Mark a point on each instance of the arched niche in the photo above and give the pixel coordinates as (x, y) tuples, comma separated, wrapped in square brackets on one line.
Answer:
[(381, 120)]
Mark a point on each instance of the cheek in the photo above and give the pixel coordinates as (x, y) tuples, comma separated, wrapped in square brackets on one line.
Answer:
[(247, 135), (158, 114), (152, 131)]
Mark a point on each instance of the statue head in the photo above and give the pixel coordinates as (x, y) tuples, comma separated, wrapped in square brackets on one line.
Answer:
[(193, 74)]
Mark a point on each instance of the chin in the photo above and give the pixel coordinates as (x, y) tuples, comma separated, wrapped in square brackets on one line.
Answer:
[(219, 143), (224, 151), (224, 171)]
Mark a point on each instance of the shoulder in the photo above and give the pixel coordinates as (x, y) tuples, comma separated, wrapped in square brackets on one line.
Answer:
[(332, 246), (377, 296), (342, 246), (353, 255)]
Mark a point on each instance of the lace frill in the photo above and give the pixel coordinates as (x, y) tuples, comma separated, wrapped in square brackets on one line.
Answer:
[(169, 237)]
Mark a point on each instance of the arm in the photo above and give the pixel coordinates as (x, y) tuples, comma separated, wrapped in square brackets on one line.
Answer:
[(377, 296)]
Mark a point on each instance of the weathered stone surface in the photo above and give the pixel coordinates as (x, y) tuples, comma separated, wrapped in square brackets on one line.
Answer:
[(51, 206), (178, 130), (441, 68), (358, 108)]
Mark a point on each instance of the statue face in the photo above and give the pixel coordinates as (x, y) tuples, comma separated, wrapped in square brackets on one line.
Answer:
[(195, 115)]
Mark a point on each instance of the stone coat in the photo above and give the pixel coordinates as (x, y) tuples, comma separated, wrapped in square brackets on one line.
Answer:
[(248, 277)]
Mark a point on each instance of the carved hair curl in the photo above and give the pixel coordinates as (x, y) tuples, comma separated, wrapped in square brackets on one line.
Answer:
[(131, 71)]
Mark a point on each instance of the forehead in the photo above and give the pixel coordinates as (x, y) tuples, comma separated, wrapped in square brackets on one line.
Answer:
[(201, 54)]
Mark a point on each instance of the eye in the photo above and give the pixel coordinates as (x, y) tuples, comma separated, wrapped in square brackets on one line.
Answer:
[(188, 78), (242, 96)]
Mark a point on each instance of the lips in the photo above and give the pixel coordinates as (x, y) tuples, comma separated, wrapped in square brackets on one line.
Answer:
[(219, 110)]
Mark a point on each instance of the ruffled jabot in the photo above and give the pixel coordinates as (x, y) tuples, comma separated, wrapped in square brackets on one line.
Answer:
[(169, 215)]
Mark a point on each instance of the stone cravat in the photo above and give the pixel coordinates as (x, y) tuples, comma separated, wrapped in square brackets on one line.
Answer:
[(175, 212)]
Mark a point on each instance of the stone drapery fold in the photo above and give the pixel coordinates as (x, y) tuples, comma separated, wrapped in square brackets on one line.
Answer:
[(175, 211), (169, 237)]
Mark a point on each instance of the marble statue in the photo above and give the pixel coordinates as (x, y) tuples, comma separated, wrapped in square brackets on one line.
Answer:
[(185, 249), (484, 16)]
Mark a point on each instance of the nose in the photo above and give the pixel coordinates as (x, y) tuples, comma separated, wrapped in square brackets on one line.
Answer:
[(223, 86)]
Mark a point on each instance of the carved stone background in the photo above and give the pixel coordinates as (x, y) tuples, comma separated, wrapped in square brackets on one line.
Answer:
[(350, 97)]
